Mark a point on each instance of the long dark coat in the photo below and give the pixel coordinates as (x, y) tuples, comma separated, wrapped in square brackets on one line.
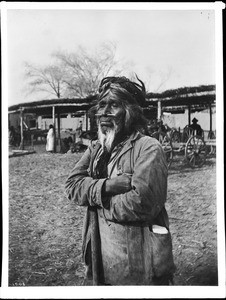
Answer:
[(131, 253)]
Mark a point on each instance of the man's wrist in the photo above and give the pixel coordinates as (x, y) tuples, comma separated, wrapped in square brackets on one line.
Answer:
[(105, 192), (106, 189)]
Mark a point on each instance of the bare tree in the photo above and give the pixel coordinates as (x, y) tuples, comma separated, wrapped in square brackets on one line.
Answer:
[(75, 74), (157, 78), (49, 79), (165, 76), (85, 70)]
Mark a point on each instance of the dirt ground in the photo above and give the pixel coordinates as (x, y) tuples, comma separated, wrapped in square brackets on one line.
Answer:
[(45, 228)]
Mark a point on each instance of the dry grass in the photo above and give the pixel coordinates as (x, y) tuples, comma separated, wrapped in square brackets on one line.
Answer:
[(45, 228)]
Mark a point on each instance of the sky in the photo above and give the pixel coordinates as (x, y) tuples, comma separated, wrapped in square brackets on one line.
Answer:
[(167, 48)]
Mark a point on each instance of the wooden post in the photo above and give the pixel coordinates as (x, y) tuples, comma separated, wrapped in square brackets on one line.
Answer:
[(53, 117), (32, 141), (189, 115), (21, 130), (87, 119), (58, 128), (210, 117), (159, 114)]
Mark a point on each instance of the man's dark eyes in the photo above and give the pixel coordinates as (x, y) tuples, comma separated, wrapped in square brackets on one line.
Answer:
[(102, 105), (114, 105)]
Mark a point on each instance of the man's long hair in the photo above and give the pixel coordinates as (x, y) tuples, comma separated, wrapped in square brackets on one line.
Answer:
[(132, 97)]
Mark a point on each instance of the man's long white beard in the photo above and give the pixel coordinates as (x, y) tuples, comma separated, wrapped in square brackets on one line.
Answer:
[(106, 139)]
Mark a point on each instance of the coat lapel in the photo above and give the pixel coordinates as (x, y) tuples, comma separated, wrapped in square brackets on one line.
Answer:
[(94, 152), (126, 147)]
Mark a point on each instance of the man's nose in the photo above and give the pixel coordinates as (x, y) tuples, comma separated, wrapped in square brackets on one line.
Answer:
[(106, 110)]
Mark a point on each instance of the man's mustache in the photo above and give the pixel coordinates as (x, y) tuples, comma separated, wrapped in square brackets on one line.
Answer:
[(105, 115)]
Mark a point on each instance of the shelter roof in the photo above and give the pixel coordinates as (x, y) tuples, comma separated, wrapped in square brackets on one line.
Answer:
[(44, 107), (199, 97)]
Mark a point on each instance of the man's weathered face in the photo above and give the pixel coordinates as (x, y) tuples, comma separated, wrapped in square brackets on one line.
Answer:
[(110, 114)]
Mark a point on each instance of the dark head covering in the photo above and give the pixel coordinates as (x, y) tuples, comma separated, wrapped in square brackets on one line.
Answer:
[(136, 91), (194, 120)]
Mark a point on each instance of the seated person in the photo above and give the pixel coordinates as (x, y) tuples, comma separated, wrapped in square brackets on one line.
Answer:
[(196, 127)]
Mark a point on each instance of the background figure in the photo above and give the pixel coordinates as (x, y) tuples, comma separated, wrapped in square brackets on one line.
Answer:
[(196, 127), (122, 180), (50, 139), (79, 132)]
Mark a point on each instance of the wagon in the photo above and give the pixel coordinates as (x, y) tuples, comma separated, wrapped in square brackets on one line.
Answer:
[(194, 147), (186, 101)]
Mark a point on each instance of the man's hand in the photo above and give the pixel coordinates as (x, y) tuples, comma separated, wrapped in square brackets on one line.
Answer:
[(117, 185)]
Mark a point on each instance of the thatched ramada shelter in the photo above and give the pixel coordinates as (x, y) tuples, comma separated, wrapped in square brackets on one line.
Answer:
[(177, 100), (59, 106), (174, 101), (52, 108)]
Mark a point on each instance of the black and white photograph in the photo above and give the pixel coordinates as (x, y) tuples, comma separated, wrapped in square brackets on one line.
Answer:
[(112, 142)]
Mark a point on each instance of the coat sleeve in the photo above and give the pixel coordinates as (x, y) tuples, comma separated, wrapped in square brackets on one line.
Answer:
[(81, 187), (149, 187)]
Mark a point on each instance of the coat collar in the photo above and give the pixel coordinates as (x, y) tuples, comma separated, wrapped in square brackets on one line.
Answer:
[(126, 146)]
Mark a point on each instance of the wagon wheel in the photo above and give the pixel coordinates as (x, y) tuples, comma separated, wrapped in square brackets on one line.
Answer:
[(167, 147), (195, 151)]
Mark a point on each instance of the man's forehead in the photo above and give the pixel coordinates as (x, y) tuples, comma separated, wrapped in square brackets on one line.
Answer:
[(111, 99)]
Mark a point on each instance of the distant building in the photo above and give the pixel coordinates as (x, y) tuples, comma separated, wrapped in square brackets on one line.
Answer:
[(29, 122), (175, 107), (178, 107)]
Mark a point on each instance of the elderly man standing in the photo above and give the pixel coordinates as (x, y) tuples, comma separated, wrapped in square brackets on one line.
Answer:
[(122, 179)]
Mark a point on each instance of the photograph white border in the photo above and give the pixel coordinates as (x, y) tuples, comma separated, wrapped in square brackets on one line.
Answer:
[(132, 292)]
